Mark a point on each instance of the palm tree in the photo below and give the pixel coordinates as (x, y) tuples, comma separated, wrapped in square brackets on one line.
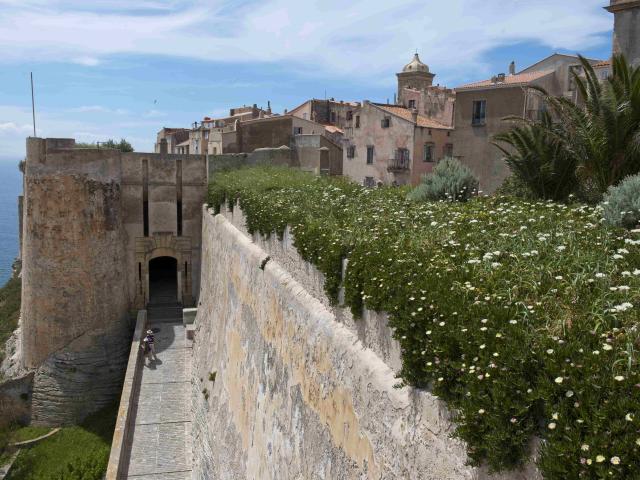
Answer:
[(536, 155), (599, 135), (603, 134)]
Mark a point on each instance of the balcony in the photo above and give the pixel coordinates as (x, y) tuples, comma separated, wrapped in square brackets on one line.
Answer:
[(399, 165)]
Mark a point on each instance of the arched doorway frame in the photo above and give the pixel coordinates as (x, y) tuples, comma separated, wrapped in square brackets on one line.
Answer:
[(164, 245), (164, 252)]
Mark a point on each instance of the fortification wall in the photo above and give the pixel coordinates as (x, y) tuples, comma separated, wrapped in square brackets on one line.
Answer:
[(296, 393), (75, 303)]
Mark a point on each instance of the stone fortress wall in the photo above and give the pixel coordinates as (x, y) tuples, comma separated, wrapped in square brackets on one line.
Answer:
[(301, 389), (92, 221)]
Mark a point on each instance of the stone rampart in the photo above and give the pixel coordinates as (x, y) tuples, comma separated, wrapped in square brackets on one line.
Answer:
[(74, 316), (93, 220), (283, 390)]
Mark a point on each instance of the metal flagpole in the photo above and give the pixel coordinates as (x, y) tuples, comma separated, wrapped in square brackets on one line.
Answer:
[(33, 107)]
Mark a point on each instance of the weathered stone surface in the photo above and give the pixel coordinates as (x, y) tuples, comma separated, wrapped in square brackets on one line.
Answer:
[(74, 315), (296, 394), (80, 379)]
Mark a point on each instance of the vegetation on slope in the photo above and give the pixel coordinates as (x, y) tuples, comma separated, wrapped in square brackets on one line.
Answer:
[(521, 315), (74, 453), (9, 310)]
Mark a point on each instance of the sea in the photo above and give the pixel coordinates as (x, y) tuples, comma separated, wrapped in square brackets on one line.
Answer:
[(10, 188)]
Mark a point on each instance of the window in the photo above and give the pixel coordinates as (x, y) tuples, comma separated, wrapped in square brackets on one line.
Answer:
[(402, 155), (297, 130), (370, 155), (412, 104), (333, 117), (428, 152), (351, 151), (479, 112), (448, 150), (206, 135), (304, 115), (349, 115), (215, 150), (386, 122), (357, 121)]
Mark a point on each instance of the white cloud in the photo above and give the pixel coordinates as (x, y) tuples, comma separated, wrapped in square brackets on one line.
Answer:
[(87, 61), (10, 127), (154, 114), (98, 109), (63, 124), (362, 38)]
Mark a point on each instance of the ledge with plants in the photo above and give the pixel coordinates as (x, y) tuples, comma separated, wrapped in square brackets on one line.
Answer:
[(521, 315)]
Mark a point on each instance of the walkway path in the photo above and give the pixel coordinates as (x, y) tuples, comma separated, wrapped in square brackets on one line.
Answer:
[(161, 441)]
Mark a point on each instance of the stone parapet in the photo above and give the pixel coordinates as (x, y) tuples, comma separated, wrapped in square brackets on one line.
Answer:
[(119, 457)]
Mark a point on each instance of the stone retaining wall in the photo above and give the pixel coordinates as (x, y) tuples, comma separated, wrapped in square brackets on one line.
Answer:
[(119, 457), (296, 393)]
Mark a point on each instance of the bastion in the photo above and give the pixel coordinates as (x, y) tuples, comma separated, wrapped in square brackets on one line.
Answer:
[(98, 224)]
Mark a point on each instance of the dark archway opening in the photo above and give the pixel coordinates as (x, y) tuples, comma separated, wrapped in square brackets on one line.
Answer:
[(163, 280)]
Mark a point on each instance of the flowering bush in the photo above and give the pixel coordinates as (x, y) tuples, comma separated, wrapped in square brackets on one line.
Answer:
[(621, 205), (521, 315), (450, 180)]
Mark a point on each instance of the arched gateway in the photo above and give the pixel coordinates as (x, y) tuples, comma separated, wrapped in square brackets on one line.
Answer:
[(164, 270)]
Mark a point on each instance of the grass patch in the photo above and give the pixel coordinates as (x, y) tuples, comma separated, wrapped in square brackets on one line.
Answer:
[(28, 433), (10, 295), (74, 453), (521, 315)]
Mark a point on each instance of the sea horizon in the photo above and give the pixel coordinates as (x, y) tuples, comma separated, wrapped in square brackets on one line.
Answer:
[(10, 189)]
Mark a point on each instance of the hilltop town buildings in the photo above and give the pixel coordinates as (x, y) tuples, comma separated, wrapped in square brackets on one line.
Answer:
[(174, 137), (483, 109), (395, 143)]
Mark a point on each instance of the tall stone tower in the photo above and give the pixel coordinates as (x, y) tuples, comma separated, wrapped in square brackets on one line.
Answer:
[(414, 75), (626, 33), (75, 322)]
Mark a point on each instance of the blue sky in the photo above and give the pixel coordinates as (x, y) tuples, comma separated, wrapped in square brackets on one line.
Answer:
[(116, 68)]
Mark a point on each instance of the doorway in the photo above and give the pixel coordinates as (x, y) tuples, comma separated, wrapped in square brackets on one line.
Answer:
[(163, 280)]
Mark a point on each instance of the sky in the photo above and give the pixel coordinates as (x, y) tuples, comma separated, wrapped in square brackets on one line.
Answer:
[(124, 69)]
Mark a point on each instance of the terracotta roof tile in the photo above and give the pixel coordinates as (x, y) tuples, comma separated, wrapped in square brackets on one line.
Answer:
[(406, 114), (333, 129), (509, 80), (606, 63)]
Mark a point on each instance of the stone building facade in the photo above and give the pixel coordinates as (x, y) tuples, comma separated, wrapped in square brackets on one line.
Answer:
[(626, 32), (482, 107), (99, 228), (327, 112), (173, 137), (392, 145)]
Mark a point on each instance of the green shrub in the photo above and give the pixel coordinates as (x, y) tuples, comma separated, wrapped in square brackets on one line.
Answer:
[(621, 205), (521, 315), (449, 180), (9, 310), (514, 187)]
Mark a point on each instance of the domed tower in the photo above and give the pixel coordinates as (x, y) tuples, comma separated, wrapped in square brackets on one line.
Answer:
[(414, 75)]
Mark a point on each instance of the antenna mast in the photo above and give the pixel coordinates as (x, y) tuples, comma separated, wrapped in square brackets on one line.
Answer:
[(33, 106)]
